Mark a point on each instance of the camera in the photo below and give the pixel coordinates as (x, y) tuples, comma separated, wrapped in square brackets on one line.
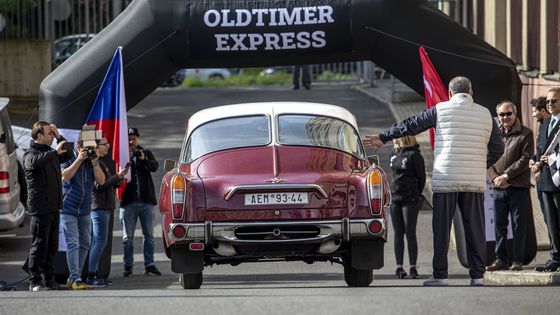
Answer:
[(68, 146), (137, 153), (89, 137), (91, 154)]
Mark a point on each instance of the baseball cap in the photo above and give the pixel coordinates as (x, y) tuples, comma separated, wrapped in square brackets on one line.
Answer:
[(133, 131)]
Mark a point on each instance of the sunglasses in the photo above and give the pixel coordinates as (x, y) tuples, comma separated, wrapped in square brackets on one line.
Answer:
[(505, 114), (551, 101)]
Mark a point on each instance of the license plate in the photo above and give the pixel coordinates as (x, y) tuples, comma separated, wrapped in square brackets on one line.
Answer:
[(284, 198)]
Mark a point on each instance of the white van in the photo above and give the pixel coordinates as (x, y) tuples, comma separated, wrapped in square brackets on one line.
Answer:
[(12, 211)]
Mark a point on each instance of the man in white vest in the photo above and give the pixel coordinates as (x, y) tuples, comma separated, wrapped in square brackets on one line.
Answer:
[(467, 142)]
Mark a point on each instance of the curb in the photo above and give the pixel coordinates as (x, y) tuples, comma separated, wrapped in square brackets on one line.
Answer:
[(526, 278)]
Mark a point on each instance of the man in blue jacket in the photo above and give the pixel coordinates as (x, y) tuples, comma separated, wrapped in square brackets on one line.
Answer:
[(78, 176)]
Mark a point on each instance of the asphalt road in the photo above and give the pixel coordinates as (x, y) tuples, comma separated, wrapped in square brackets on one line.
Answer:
[(263, 288)]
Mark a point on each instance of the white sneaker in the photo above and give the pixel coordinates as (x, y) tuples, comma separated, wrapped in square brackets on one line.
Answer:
[(433, 282), (477, 282)]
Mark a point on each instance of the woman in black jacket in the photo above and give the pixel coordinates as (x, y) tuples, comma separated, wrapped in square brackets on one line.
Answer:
[(409, 178)]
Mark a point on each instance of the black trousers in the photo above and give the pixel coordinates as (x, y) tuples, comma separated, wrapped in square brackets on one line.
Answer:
[(305, 71), (515, 201), (551, 210), (44, 245), (471, 206), (404, 218)]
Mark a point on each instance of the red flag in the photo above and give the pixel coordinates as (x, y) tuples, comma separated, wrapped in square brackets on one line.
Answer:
[(434, 90)]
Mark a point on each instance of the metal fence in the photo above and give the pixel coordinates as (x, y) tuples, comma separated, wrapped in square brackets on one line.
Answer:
[(51, 19)]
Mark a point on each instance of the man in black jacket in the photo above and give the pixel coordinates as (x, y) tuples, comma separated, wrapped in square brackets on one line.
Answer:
[(550, 192), (44, 201), (138, 200)]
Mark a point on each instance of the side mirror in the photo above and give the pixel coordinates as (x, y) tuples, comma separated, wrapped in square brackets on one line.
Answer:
[(3, 138), (373, 159), (169, 165)]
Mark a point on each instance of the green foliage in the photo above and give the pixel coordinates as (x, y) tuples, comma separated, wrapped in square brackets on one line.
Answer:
[(250, 76), (12, 6)]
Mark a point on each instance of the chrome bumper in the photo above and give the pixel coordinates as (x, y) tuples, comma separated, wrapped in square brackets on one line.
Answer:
[(345, 229)]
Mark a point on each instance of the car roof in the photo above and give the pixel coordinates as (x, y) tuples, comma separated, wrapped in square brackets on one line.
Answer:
[(271, 109), (74, 36)]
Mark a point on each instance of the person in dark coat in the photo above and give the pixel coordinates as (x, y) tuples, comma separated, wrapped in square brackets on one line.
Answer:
[(44, 200), (409, 179), (138, 202), (103, 204)]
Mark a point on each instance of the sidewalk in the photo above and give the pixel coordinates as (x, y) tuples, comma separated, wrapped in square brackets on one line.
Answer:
[(403, 103)]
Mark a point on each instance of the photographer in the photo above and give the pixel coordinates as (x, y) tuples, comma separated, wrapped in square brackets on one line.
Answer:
[(44, 200), (138, 202), (78, 176)]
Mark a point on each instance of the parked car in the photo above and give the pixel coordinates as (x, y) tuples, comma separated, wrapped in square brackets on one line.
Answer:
[(266, 181), (12, 210), (208, 74), (66, 46), (176, 79)]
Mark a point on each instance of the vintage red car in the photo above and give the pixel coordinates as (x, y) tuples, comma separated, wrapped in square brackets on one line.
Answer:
[(269, 181)]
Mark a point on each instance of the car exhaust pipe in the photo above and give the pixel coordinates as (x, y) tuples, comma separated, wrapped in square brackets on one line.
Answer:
[(224, 249), (329, 246)]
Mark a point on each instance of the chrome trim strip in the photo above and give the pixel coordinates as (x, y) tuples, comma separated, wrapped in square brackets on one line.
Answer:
[(296, 187), (225, 231)]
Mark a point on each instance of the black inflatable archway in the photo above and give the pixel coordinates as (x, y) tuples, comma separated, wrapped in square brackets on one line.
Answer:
[(161, 36)]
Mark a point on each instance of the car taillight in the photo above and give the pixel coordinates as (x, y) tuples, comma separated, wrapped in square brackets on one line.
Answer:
[(178, 191), (375, 227), (4, 182), (375, 191), (179, 231)]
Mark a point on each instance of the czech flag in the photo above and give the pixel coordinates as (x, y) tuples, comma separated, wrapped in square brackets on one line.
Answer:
[(108, 113), (434, 90)]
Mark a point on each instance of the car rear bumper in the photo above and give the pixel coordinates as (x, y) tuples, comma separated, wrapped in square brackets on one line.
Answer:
[(12, 220), (344, 229)]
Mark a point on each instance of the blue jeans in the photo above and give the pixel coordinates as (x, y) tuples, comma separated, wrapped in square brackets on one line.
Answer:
[(100, 220), (77, 232), (128, 217)]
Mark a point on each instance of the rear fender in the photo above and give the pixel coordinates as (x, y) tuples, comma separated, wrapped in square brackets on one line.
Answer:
[(186, 261)]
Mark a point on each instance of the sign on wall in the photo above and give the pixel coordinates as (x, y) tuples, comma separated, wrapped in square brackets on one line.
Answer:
[(269, 28)]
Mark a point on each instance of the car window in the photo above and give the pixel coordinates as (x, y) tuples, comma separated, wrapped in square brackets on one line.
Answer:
[(310, 130), (228, 133), (7, 128)]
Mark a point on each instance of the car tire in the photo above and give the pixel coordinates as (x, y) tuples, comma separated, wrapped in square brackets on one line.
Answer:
[(357, 277), (191, 281), (216, 76)]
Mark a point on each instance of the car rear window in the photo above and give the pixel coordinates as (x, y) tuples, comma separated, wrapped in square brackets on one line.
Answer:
[(310, 130), (228, 133)]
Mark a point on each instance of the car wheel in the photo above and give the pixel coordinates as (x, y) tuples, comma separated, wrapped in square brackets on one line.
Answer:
[(357, 277), (190, 281)]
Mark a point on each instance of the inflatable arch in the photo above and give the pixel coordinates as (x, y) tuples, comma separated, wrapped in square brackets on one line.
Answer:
[(161, 36)]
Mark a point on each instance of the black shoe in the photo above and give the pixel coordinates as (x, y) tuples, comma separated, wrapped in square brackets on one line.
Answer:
[(127, 271), (400, 273), (550, 266), (52, 285), (413, 273), (307, 86), (152, 271), (296, 87)]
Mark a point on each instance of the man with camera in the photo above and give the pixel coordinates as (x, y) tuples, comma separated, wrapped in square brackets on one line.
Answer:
[(138, 200), (78, 176), (44, 201)]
